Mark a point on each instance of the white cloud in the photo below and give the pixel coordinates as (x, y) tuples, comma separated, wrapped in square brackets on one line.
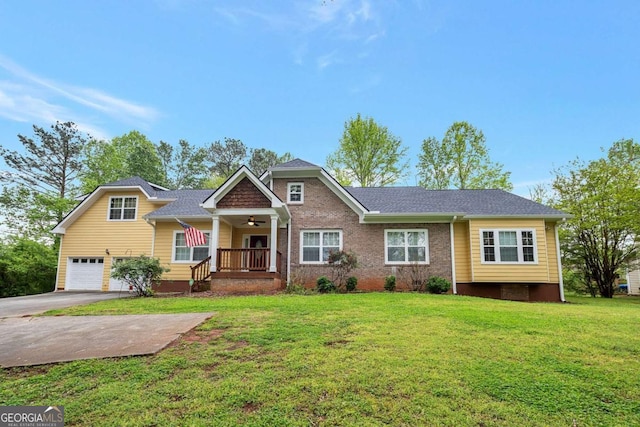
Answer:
[(326, 60), (27, 97), (314, 25)]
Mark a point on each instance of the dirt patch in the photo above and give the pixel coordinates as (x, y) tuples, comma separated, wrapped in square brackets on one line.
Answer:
[(237, 345), (195, 335), (250, 407), (336, 343)]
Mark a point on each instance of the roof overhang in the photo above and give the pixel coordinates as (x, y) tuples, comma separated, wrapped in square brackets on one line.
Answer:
[(553, 217), (409, 218)]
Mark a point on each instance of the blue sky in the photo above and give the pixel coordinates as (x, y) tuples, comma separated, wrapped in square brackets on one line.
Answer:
[(546, 81)]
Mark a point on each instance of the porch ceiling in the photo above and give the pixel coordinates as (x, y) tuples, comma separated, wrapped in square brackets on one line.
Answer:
[(240, 221)]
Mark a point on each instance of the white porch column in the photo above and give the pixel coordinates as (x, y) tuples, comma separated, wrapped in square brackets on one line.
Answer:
[(213, 243), (274, 244)]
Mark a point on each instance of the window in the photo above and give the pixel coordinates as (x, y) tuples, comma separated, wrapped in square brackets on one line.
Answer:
[(406, 246), (295, 192), (316, 245), (183, 253), (508, 246), (123, 208)]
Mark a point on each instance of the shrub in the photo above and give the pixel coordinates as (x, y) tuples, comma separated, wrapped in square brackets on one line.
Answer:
[(413, 276), (438, 285), (352, 283), (341, 263), (293, 288), (139, 273), (324, 285), (390, 283)]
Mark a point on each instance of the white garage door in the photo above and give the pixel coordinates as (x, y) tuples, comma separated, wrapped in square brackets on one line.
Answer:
[(84, 274)]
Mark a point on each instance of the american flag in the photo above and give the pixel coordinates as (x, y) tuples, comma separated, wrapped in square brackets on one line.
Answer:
[(192, 235)]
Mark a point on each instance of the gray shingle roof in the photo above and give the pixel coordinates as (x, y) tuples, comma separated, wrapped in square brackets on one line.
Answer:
[(295, 163), (467, 202), (186, 203), (133, 182), (389, 200)]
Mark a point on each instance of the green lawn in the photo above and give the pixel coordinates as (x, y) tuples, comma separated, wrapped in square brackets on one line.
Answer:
[(359, 359)]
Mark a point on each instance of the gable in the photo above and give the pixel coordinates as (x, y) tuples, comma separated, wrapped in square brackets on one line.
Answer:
[(100, 196), (244, 195)]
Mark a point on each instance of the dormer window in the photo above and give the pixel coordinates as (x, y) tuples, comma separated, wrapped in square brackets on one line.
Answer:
[(123, 208), (295, 193)]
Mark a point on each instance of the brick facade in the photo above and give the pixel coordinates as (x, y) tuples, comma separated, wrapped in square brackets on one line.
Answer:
[(323, 210)]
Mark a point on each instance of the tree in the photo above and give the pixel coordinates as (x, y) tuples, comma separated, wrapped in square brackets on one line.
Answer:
[(226, 158), (262, 159), (461, 160), (42, 182), (131, 154), (184, 167), (603, 196), (369, 155), (26, 268)]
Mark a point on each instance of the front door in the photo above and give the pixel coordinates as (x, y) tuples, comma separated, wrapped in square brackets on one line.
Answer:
[(257, 255)]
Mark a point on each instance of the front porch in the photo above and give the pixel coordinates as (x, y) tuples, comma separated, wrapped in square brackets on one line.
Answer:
[(240, 270)]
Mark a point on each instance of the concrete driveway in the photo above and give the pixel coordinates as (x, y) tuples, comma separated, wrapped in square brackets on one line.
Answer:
[(26, 340), (36, 304)]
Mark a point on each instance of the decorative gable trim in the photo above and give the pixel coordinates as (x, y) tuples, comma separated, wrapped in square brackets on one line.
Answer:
[(233, 181), (244, 195)]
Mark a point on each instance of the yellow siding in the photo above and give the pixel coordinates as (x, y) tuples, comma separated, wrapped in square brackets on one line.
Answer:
[(552, 252), (121, 238), (164, 246), (462, 252), (510, 273)]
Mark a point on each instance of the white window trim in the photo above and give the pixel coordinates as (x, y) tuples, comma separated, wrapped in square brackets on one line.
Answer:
[(406, 246), (190, 260), (295, 202), (496, 237), (301, 259), (135, 217)]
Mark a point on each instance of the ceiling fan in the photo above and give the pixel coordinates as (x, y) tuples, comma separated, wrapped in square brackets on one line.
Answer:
[(252, 222)]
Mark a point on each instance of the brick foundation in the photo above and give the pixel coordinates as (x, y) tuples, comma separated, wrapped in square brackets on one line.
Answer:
[(532, 292), (246, 286)]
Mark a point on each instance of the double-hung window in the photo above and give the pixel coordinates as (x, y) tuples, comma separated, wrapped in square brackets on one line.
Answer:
[(406, 246), (295, 193), (508, 246), (183, 253), (316, 245), (123, 208)]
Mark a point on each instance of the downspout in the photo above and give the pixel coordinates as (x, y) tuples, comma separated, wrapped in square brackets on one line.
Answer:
[(560, 279), (289, 251), (153, 237), (59, 263), (453, 258)]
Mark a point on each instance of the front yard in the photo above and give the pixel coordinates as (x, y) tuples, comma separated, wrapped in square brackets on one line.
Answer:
[(359, 359)]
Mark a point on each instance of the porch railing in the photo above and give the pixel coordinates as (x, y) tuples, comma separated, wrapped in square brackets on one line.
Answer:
[(245, 259), (201, 271)]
